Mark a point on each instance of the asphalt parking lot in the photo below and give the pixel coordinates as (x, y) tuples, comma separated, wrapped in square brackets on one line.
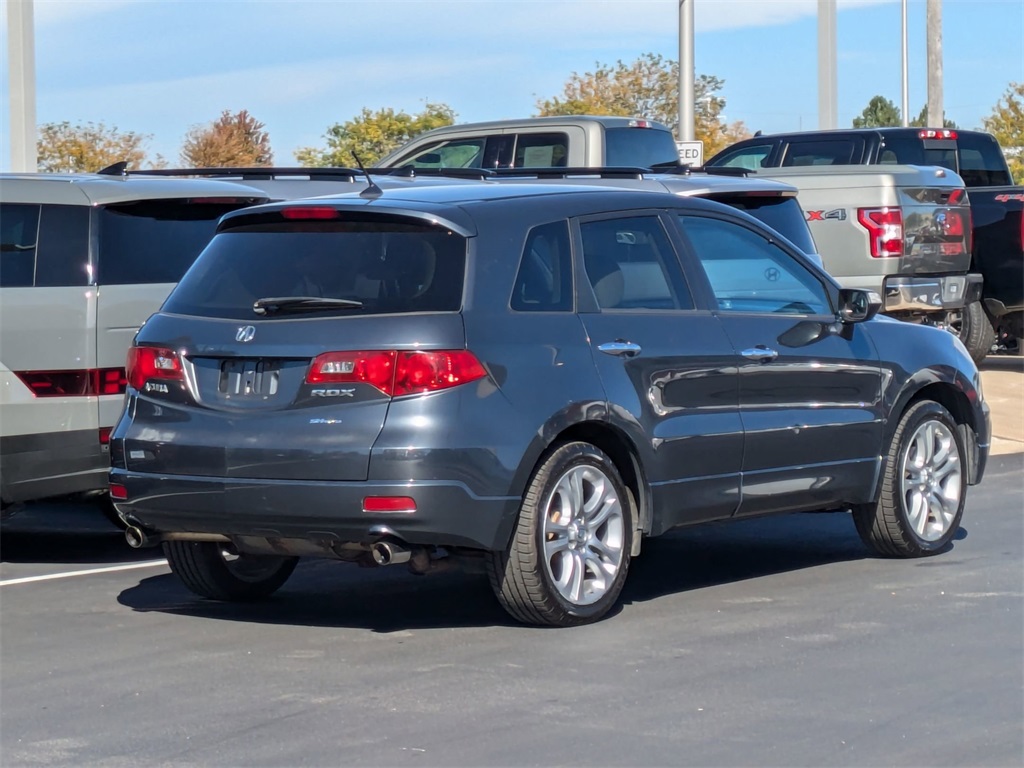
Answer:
[(764, 642)]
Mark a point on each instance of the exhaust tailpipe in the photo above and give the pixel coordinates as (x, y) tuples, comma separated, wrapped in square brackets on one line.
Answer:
[(137, 538), (389, 553)]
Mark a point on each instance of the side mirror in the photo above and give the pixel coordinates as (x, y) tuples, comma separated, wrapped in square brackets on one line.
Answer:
[(857, 305)]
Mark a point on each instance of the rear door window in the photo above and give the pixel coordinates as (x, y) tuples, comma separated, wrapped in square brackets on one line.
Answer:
[(383, 267), (845, 151), (541, 150), (155, 241), (19, 233)]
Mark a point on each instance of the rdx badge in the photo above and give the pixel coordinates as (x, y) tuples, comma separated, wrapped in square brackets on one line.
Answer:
[(332, 392)]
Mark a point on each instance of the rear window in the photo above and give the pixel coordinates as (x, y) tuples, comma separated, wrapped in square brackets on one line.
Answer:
[(155, 241), (783, 214), (976, 157), (389, 267), (639, 147)]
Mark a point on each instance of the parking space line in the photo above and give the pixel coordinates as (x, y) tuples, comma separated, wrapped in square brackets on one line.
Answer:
[(88, 572)]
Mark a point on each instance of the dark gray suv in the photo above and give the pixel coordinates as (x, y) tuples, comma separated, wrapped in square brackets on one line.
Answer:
[(531, 377)]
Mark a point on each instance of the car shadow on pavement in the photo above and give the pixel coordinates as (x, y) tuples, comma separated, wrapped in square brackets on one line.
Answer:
[(65, 532), (327, 594)]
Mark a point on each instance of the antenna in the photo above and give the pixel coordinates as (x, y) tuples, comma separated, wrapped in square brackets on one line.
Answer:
[(117, 169), (372, 190)]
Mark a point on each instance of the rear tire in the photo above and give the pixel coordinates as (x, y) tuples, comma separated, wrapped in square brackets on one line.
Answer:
[(209, 571), (923, 489), (975, 330), (569, 554)]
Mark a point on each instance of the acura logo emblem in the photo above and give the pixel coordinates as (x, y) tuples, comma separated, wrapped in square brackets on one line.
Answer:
[(245, 333)]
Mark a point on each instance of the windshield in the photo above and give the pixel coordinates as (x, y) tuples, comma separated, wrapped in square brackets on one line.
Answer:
[(375, 268)]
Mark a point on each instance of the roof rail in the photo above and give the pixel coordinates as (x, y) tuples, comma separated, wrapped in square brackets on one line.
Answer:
[(257, 172), (408, 171), (606, 172), (713, 170)]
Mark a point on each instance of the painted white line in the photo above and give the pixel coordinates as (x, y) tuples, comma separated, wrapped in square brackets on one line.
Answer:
[(89, 572)]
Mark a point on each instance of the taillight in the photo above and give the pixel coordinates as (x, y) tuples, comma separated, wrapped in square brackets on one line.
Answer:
[(80, 383), (885, 230), (145, 363), (931, 133), (397, 373)]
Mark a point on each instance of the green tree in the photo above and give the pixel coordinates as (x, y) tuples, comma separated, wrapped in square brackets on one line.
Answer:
[(66, 148), (648, 87), (231, 140), (921, 121), (372, 135), (879, 113), (1006, 123)]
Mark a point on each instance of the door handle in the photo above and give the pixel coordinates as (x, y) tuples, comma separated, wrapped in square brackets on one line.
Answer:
[(761, 353), (620, 348)]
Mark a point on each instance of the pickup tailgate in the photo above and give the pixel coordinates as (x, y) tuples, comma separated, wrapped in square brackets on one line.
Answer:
[(871, 222)]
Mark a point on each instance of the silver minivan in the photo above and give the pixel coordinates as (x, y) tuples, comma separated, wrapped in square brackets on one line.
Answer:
[(85, 259)]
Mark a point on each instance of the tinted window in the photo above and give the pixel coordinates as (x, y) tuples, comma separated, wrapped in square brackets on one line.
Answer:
[(388, 267), (154, 241), (981, 161), (783, 214), (541, 150), (824, 152), (631, 265), (750, 158), (63, 257), (544, 282), (748, 273), (639, 147), (19, 231)]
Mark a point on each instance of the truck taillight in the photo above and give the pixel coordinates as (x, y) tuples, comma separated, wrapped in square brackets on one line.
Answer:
[(146, 363), (885, 230), (397, 373)]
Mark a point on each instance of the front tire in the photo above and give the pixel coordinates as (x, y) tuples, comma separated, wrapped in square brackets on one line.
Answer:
[(208, 570), (569, 554), (923, 488)]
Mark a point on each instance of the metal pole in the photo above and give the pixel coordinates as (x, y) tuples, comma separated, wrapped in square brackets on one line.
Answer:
[(906, 87), (934, 32), (828, 106), (21, 63), (686, 75)]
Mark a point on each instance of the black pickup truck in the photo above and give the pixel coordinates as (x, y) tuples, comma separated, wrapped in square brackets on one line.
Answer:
[(996, 205)]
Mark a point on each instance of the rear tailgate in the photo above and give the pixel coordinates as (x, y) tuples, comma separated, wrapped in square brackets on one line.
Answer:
[(904, 220)]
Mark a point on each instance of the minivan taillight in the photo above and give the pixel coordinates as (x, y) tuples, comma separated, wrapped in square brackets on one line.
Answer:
[(397, 373), (885, 230), (145, 363)]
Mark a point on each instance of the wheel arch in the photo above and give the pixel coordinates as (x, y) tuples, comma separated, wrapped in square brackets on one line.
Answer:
[(619, 448)]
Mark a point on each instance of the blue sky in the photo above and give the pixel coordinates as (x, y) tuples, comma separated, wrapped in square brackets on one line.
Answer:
[(159, 67)]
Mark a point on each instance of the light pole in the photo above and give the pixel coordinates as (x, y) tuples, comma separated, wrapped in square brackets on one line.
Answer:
[(828, 107), (686, 76), (906, 87), (21, 64)]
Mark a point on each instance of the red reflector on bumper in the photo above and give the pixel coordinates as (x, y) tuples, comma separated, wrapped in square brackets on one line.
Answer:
[(105, 435), (389, 504), (118, 491)]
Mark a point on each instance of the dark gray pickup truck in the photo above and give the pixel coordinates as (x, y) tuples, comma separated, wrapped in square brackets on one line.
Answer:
[(996, 204)]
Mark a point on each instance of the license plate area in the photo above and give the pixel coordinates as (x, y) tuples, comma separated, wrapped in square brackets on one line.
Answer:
[(249, 378)]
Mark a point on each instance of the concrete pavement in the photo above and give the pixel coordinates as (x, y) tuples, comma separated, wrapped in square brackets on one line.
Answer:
[(1002, 379)]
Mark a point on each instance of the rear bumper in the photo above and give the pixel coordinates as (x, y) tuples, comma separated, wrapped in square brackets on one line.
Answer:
[(447, 514), (931, 293)]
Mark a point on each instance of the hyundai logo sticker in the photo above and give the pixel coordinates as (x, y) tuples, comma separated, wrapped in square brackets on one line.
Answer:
[(245, 333)]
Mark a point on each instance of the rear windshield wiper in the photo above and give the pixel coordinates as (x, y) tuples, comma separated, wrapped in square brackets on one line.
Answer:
[(276, 304)]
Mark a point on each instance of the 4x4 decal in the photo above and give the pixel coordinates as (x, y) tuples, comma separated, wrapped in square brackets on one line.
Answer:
[(837, 214)]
